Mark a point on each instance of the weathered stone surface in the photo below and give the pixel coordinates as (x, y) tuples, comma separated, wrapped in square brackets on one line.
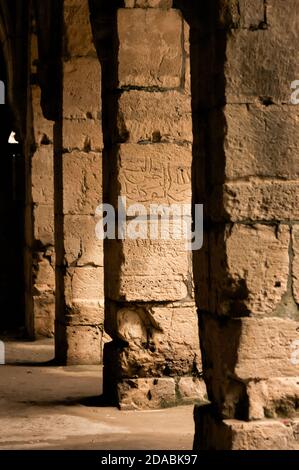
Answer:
[(82, 91), (177, 328), (228, 14), (44, 313), (39, 221), (212, 434), (259, 141), (264, 435), (84, 286), (257, 200), (249, 63), (252, 13), (78, 36), (161, 341), (192, 390), (42, 176), (249, 348), (273, 398), (43, 273), (80, 345), (82, 135), (83, 182), (249, 269), (83, 313), (80, 296), (43, 224), (80, 242), (146, 393), (187, 60), (148, 270), (136, 288), (148, 3), (282, 18), (42, 128), (201, 275), (295, 262), (150, 52), (155, 117), (154, 174)]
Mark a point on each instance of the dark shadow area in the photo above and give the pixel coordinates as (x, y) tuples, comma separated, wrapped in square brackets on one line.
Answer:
[(96, 401), (12, 203)]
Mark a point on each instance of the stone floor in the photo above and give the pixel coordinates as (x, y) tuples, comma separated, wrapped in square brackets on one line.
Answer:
[(43, 406)]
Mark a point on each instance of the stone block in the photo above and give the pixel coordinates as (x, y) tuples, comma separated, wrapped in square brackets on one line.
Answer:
[(148, 3), (259, 141), (150, 52), (248, 349), (192, 390), (273, 398), (283, 17), (148, 270), (43, 224), (154, 174), (82, 88), (43, 274), (256, 200), (44, 314), (78, 35), (213, 434), (146, 393), (249, 269), (85, 313), (82, 173), (42, 128), (83, 135), (155, 117), (84, 286), (252, 13), (177, 328), (158, 341), (249, 70), (80, 242), (79, 345), (42, 175)]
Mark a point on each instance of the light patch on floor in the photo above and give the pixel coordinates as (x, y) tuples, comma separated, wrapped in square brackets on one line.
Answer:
[(43, 406)]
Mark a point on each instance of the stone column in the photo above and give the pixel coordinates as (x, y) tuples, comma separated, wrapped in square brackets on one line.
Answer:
[(39, 211), (153, 359), (78, 176), (248, 289)]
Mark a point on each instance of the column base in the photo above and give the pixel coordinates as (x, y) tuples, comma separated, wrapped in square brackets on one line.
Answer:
[(155, 393), (231, 434), (78, 344)]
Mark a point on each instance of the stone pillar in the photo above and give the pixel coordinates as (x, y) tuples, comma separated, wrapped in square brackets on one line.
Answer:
[(78, 176), (39, 211), (153, 359), (247, 274)]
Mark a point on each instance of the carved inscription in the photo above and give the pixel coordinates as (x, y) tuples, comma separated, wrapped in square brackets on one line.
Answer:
[(155, 173)]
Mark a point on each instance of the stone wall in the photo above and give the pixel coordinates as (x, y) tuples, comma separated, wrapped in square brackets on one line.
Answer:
[(247, 294)]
